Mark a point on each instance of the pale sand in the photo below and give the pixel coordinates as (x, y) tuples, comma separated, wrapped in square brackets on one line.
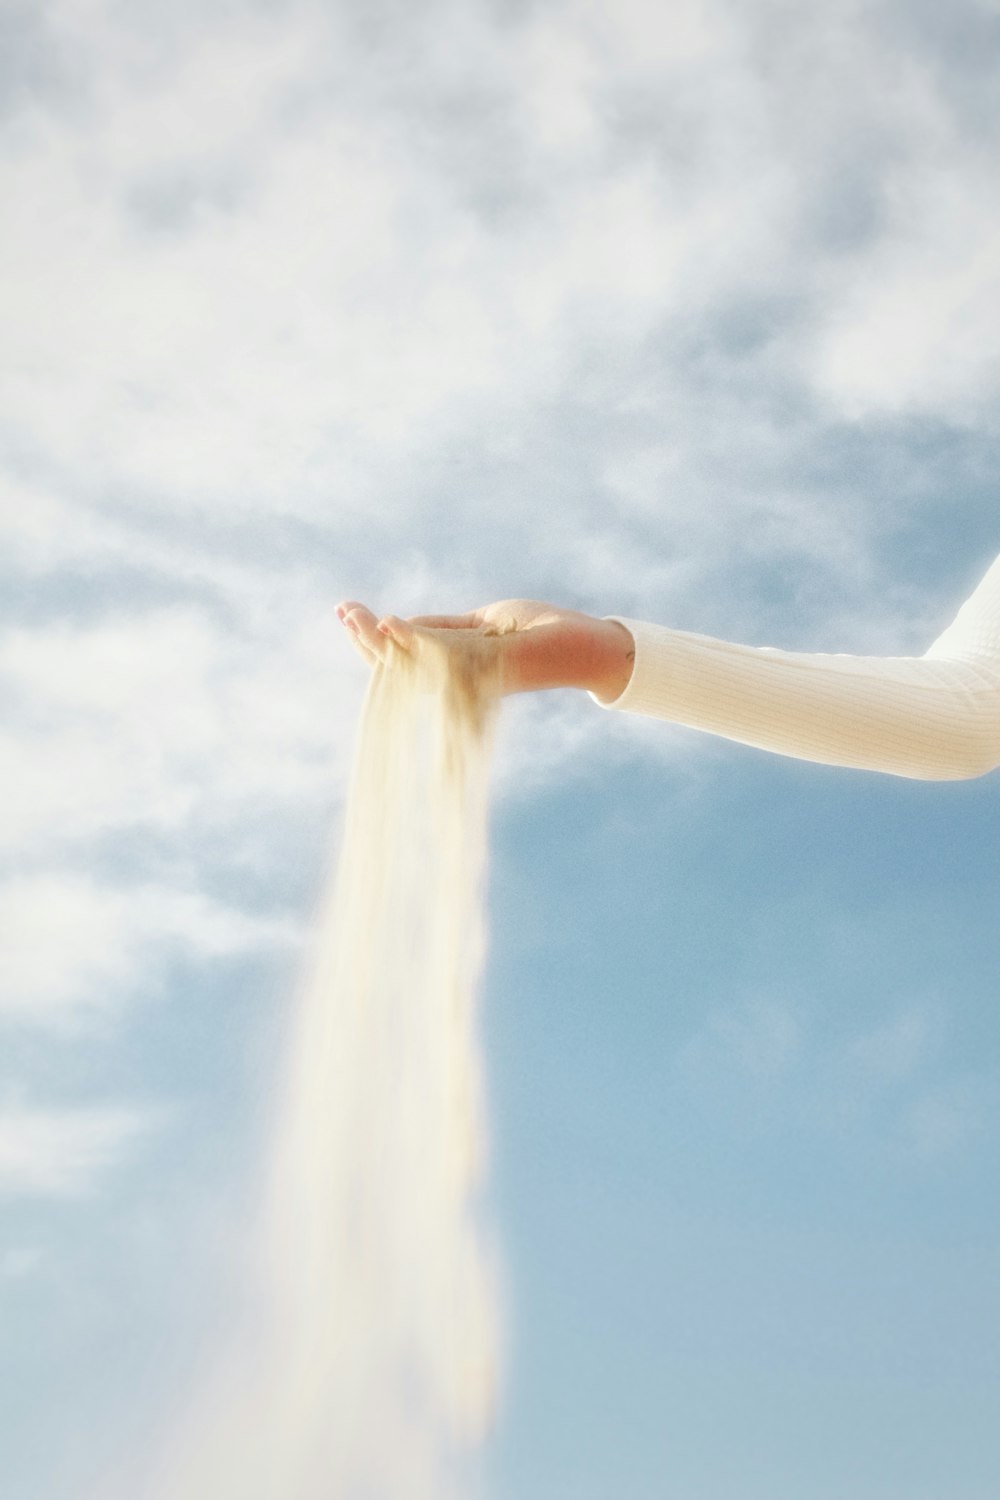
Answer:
[(371, 1372)]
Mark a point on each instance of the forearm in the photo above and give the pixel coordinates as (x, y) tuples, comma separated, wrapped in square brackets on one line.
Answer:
[(918, 717)]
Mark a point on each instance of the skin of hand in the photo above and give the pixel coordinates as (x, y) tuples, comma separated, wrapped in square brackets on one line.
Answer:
[(538, 645)]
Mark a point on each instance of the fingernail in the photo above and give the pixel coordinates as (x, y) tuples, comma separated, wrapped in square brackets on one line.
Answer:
[(352, 625), (384, 628), (341, 612)]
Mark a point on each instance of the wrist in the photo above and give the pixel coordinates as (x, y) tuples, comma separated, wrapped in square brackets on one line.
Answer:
[(614, 658)]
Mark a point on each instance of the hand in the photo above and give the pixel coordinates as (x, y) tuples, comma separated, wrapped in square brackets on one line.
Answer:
[(537, 645)]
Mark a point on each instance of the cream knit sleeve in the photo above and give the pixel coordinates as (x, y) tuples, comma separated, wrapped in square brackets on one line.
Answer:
[(934, 717)]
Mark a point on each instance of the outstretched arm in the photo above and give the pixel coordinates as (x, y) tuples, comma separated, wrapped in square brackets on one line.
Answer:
[(933, 717)]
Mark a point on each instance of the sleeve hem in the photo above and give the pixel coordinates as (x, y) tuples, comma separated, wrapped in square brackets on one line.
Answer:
[(624, 697)]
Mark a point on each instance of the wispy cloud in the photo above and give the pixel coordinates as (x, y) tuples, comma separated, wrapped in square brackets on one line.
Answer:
[(154, 716), (64, 1153), (74, 948), (293, 290)]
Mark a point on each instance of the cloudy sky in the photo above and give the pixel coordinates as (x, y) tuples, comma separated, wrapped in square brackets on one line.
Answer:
[(686, 310)]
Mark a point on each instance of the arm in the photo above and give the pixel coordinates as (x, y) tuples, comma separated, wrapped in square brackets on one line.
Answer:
[(934, 717)]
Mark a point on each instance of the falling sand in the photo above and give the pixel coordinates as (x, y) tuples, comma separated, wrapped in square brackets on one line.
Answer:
[(371, 1371)]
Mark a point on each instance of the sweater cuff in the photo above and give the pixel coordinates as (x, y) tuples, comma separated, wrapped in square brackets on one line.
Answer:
[(640, 695)]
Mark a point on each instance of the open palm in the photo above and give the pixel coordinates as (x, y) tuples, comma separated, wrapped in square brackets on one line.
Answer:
[(538, 645)]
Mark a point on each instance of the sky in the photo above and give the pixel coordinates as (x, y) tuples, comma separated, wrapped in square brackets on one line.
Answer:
[(685, 311)]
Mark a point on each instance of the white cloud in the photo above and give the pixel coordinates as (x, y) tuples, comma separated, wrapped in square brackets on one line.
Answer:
[(42, 531), (153, 719), (72, 948), (304, 269), (678, 34), (348, 308), (919, 327), (560, 72), (164, 664), (278, 352), (60, 940), (64, 1153)]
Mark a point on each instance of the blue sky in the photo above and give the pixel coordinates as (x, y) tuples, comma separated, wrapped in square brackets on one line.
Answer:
[(682, 311)]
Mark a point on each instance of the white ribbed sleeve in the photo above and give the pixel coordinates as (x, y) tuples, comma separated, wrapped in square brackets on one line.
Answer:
[(934, 717)]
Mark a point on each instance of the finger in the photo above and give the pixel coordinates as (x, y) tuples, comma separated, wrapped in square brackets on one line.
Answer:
[(359, 620), (404, 634), (353, 632)]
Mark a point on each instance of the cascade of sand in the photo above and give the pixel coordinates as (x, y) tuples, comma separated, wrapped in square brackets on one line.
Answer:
[(372, 1368)]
